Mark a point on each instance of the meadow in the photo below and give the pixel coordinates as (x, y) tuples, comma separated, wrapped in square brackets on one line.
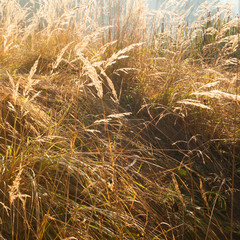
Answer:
[(117, 122)]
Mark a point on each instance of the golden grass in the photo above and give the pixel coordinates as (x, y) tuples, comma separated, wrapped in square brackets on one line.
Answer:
[(118, 124)]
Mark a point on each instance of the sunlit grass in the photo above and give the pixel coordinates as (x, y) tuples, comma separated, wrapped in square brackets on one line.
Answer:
[(118, 124)]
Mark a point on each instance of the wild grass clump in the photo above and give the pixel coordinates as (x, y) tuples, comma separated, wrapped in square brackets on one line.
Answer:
[(118, 123)]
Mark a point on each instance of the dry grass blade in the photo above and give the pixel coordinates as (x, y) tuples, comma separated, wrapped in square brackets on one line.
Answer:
[(60, 55), (192, 102), (119, 54), (91, 72), (89, 38), (30, 81), (15, 88), (203, 193), (76, 165), (209, 85), (217, 94), (111, 85), (214, 204), (14, 190), (119, 115), (175, 182), (103, 49), (6, 208)]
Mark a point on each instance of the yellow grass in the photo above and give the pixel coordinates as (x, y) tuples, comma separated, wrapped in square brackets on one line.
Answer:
[(118, 124)]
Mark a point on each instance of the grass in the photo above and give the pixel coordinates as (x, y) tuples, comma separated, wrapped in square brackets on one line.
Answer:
[(117, 123)]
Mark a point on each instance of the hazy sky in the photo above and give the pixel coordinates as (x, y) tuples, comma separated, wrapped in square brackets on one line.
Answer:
[(153, 3), (235, 3)]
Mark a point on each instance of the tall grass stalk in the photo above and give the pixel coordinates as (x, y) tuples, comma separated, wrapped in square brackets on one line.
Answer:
[(117, 122)]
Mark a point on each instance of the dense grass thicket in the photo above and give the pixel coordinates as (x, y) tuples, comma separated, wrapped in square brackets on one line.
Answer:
[(117, 122)]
